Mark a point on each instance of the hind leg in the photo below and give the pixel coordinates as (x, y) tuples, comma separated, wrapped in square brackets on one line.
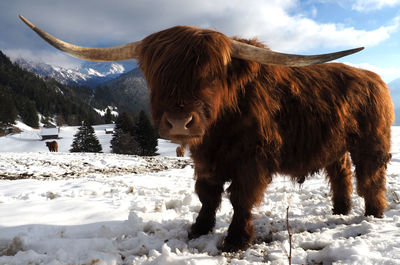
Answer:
[(339, 174), (375, 194), (371, 181)]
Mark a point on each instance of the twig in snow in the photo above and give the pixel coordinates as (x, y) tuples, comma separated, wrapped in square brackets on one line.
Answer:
[(397, 200), (290, 237)]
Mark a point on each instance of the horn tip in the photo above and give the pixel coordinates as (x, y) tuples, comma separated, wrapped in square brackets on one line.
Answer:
[(357, 49), (22, 17), (27, 22)]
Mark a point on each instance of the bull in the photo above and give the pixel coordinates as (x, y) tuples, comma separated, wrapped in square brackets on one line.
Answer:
[(180, 150), (52, 146), (248, 113)]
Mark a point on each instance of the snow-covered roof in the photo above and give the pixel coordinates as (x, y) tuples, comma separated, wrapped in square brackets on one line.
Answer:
[(48, 131)]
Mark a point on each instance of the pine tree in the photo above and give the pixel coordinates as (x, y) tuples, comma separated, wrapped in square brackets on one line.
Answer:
[(125, 122), (123, 142), (145, 135), (108, 117), (85, 140)]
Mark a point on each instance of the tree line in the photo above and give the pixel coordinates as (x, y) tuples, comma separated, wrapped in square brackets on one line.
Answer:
[(133, 136)]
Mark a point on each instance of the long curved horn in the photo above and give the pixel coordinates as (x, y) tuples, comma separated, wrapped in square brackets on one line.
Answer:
[(109, 54), (252, 53)]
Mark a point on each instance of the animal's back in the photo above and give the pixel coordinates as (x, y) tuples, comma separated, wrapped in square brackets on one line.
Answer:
[(304, 119), (324, 111)]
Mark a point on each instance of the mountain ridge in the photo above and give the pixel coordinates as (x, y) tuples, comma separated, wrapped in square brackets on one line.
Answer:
[(128, 92), (394, 87), (116, 84), (25, 94), (89, 74)]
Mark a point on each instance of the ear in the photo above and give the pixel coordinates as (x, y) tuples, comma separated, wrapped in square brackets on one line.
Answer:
[(241, 71)]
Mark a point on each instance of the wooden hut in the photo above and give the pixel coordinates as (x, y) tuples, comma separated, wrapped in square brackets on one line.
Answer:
[(49, 133)]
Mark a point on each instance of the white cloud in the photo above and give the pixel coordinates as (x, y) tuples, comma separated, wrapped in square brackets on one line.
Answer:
[(368, 5), (48, 57), (388, 74), (304, 34), (277, 23), (280, 29)]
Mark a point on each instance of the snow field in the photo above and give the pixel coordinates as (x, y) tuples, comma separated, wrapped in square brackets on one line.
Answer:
[(115, 209)]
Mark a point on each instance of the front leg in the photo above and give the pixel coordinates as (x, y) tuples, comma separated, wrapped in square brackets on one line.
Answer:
[(245, 193), (210, 196)]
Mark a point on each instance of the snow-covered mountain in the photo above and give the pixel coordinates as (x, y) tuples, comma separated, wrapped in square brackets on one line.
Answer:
[(60, 74), (89, 73), (128, 92), (395, 93), (110, 70)]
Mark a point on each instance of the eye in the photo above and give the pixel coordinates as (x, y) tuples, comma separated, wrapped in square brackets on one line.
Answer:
[(211, 75), (181, 106), (207, 111)]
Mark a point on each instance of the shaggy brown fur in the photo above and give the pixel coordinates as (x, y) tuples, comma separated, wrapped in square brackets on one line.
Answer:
[(53, 146), (251, 121), (180, 150)]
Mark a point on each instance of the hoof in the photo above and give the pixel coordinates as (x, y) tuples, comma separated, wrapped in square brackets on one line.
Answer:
[(234, 245), (341, 206), (197, 231), (374, 211), (339, 211), (376, 214)]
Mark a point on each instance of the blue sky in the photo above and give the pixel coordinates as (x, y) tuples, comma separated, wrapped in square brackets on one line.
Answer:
[(295, 26)]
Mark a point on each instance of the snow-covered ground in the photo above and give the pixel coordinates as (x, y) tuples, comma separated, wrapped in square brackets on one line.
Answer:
[(63, 208), (30, 140)]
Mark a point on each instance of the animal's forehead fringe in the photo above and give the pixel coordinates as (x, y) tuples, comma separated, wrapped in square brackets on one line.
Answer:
[(183, 52)]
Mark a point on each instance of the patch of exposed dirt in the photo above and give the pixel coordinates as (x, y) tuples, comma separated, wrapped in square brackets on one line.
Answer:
[(153, 164)]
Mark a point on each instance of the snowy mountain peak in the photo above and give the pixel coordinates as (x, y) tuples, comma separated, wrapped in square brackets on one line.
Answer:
[(89, 73), (395, 84), (105, 69), (62, 75)]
